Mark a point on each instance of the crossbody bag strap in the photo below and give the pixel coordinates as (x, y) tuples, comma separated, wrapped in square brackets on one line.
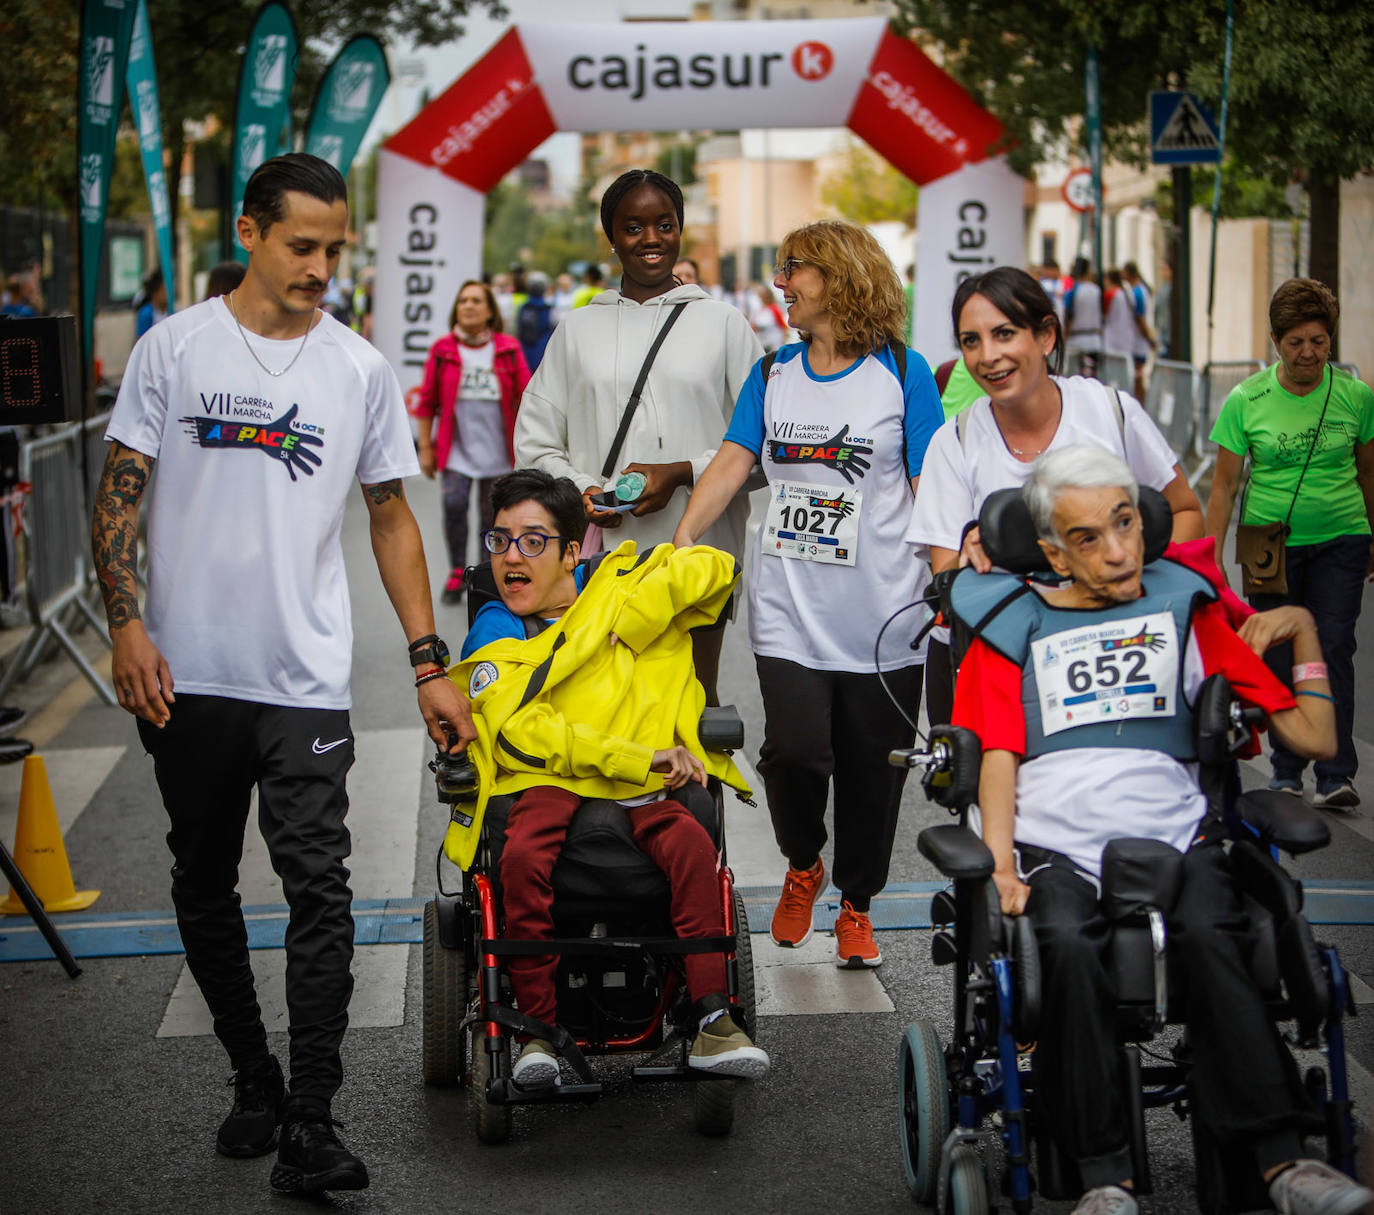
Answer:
[(637, 391), (1312, 447)]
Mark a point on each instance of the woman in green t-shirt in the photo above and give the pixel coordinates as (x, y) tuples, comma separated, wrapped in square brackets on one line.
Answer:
[(1309, 432)]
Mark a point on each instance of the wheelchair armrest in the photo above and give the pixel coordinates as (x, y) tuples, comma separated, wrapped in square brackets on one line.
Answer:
[(1283, 821), (955, 851), (1138, 874), (721, 728)]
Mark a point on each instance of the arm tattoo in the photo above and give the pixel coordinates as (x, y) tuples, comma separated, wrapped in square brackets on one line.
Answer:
[(114, 531), (383, 492)]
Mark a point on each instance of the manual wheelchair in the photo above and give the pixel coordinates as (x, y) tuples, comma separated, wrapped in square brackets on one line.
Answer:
[(620, 983), (988, 1069)]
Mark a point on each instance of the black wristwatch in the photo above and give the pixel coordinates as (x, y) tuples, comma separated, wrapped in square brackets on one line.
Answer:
[(429, 649)]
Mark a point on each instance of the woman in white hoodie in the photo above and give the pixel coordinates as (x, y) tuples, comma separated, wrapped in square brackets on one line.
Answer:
[(572, 408)]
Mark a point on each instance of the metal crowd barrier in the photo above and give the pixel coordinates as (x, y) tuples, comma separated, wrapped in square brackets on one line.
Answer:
[(55, 531), (1171, 400), (1118, 370), (1217, 381)]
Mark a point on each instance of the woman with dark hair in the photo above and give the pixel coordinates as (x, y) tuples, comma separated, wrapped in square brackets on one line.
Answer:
[(579, 399), (472, 384), (839, 422), (1308, 430), (1012, 344), (151, 302)]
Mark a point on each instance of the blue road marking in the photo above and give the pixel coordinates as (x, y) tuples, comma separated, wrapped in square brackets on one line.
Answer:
[(401, 921)]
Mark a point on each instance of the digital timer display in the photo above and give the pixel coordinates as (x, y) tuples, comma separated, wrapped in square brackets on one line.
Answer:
[(40, 379)]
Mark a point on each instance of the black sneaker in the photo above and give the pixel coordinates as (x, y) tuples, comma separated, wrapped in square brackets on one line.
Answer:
[(310, 1159), (11, 718), (251, 1128)]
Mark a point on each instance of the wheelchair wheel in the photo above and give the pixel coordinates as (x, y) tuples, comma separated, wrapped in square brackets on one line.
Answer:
[(744, 963), (491, 1122), (713, 1106), (966, 1191), (446, 997), (923, 1107)]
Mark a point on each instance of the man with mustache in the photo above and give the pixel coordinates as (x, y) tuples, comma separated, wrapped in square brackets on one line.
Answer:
[(261, 411)]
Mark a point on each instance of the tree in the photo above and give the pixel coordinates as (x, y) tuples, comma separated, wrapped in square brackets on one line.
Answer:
[(867, 190), (1300, 101)]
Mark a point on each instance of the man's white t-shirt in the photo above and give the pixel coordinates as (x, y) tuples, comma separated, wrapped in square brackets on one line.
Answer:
[(957, 477), (247, 593), (479, 440)]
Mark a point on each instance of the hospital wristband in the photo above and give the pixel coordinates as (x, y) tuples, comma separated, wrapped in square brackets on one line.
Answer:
[(1314, 692), (428, 675), (1309, 670)]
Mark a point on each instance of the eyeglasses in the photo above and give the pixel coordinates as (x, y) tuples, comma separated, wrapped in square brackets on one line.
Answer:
[(785, 270), (530, 544)]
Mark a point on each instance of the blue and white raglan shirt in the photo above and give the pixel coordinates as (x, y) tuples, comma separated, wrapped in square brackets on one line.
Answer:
[(247, 592), (830, 565)]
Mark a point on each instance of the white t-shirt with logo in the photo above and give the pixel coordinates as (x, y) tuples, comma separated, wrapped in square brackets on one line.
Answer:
[(856, 437), (247, 593), (479, 440), (958, 477)]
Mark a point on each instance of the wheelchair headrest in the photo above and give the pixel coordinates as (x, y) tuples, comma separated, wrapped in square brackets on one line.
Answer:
[(1009, 539)]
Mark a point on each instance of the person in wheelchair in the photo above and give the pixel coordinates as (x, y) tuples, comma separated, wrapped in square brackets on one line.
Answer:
[(562, 754), (1082, 699)]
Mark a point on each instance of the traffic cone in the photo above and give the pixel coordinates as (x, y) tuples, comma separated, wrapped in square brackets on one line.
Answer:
[(39, 851)]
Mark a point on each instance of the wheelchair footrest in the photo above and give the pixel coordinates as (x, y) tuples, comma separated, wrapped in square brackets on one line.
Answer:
[(508, 1092), (670, 1072)]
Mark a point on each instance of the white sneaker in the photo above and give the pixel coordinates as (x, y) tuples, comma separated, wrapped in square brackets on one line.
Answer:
[(537, 1066), (1312, 1187), (1107, 1200), (1342, 797)]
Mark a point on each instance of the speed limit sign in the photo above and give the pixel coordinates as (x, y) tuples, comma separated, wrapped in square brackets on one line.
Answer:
[(1078, 190)]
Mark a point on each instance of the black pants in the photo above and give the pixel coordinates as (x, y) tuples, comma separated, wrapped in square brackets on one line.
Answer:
[(939, 683), (1245, 1085), (207, 759), (819, 724), (457, 492)]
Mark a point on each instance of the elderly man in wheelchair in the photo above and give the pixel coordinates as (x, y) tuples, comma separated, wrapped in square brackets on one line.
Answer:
[(1091, 800), (582, 688)]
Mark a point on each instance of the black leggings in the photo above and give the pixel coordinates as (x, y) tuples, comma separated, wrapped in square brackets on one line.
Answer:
[(824, 724)]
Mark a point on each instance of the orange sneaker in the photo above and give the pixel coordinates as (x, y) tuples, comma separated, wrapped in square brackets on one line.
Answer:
[(792, 917), (855, 947)]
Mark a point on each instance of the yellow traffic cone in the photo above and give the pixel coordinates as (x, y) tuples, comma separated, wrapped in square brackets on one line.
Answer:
[(38, 848)]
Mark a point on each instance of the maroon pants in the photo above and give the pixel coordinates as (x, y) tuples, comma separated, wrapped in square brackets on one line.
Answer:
[(668, 834)]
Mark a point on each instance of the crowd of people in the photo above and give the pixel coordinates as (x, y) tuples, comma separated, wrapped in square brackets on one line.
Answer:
[(646, 410)]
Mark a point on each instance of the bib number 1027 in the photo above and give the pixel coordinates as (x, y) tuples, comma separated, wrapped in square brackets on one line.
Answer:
[(1107, 671), (805, 519)]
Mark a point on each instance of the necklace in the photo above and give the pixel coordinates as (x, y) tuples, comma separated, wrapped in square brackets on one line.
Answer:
[(254, 353)]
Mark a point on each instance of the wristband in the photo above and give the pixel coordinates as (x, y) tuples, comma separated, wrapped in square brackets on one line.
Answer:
[(428, 675), (1309, 670), (1314, 692)]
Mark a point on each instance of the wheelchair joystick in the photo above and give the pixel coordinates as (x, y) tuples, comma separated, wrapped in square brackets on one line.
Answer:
[(455, 780)]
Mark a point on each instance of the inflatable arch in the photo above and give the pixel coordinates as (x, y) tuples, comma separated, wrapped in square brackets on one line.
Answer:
[(651, 76)]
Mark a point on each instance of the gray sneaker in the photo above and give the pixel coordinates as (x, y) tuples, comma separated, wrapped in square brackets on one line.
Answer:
[(723, 1049), (537, 1066), (1107, 1200), (1312, 1187), (1338, 797)]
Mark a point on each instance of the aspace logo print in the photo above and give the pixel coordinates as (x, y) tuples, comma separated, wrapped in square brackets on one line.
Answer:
[(277, 439)]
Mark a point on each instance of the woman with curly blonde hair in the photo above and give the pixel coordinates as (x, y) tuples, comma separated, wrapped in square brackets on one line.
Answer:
[(839, 422)]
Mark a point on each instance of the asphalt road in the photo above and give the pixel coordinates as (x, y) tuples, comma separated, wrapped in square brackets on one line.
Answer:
[(104, 1110)]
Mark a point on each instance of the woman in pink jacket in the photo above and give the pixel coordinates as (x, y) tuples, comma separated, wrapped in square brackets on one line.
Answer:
[(473, 381)]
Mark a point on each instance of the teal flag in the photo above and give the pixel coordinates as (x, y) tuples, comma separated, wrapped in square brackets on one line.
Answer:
[(142, 82), (346, 100), (264, 105), (106, 27)]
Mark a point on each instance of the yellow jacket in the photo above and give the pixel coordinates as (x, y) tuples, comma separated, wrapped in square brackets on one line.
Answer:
[(568, 708)]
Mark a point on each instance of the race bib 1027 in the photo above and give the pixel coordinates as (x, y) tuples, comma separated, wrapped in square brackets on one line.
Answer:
[(1111, 671), (813, 522)]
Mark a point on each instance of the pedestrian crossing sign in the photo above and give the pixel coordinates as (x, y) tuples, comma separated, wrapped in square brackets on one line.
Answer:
[(1182, 131)]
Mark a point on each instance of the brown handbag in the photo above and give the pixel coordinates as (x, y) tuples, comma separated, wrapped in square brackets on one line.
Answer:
[(1261, 552), (1262, 548)]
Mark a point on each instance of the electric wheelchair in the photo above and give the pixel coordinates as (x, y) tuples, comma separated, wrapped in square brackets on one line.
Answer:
[(620, 984), (987, 1071)]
